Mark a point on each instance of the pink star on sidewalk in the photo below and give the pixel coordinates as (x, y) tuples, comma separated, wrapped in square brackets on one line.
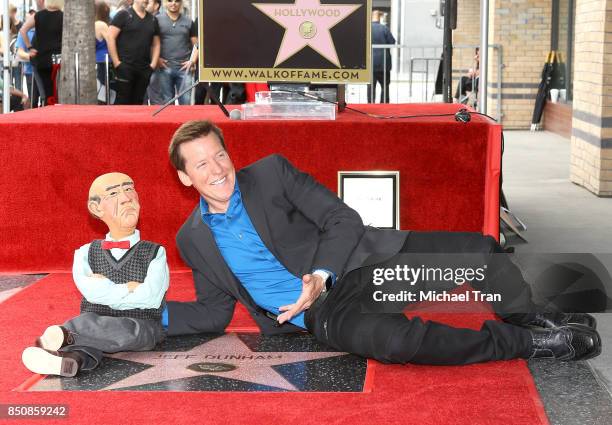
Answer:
[(307, 23)]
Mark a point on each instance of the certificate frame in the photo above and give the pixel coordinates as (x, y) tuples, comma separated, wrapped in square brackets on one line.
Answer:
[(375, 193)]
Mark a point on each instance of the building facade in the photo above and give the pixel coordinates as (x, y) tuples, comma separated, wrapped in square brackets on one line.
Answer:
[(522, 34)]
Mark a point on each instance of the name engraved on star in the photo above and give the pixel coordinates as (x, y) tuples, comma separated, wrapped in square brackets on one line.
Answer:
[(241, 357), (307, 12), (175, 356)]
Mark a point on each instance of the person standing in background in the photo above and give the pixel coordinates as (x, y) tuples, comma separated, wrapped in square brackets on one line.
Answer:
[(178, 35), (16, 68), (381, 66), (101, 26), (153, 8), (48, 23), (24, 56), (133, 45)]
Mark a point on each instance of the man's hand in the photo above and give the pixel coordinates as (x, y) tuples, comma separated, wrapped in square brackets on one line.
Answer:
[(186, 66), (162, 63), (32, 53), (132, 285), (312, 286)]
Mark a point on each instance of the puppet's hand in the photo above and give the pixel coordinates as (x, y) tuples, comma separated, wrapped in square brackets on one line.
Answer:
[(132, 286)]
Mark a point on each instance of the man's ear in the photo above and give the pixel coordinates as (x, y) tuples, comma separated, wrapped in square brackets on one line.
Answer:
[(94, 209), (184, 178)]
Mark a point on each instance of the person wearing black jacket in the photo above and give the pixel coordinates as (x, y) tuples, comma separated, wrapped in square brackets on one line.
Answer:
[(381, 67), (298, 258), (134, 46)]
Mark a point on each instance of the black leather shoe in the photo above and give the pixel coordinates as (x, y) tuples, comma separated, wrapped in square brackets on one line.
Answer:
[(555, 320), (54, 338), (571, 342), (45, 362)]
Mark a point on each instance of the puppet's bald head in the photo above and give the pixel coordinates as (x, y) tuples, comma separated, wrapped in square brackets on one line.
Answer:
[(113, 199)]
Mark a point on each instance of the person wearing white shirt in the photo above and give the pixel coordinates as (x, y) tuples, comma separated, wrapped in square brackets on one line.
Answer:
[(123, 280)]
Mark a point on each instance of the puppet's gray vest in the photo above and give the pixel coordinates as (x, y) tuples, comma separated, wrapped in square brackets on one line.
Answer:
[(131, 267)]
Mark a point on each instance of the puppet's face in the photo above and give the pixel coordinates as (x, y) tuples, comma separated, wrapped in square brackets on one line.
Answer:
[(113, 199), (209, 169)]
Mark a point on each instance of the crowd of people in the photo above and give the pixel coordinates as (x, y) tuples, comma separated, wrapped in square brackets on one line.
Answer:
[(146, 52)]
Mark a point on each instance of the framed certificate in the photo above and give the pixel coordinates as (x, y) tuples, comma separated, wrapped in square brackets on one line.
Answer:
[(373, 194)]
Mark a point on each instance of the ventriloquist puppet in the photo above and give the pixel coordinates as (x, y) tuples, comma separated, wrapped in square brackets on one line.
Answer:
[(123, 280)]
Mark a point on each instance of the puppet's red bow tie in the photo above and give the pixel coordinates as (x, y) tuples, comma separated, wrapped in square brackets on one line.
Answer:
[(112, 244)]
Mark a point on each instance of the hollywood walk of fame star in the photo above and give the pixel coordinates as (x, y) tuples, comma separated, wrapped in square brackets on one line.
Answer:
[(226, 356), (307, 23)]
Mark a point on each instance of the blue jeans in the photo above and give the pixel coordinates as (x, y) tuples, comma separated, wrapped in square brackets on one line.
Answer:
[(167, 83)]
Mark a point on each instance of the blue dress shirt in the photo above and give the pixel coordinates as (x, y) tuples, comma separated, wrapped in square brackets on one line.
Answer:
[(268, 282)]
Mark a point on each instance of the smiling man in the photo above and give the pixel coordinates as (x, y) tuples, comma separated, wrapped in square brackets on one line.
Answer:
[(298, 259), (123, 280)]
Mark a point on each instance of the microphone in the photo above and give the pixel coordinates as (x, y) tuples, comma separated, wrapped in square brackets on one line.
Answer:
[(463, 115), (210, 93), (171, 101), (235, 114)]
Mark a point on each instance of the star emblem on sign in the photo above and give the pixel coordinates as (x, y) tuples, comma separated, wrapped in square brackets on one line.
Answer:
[(307, 23), (226, 356)]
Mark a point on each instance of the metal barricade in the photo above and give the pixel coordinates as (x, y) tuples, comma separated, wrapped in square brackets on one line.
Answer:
[(426, 72), (400, 75)]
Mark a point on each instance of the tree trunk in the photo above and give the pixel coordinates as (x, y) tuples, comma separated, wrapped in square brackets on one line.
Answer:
[(78, 37)]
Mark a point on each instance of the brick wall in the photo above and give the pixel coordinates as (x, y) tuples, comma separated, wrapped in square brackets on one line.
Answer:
[(591, 143), (522, 28)]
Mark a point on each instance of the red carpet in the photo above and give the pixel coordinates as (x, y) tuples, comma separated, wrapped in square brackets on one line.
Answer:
[(449, 171), (493, 393)]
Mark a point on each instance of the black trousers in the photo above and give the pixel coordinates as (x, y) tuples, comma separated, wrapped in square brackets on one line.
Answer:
[(131, 84), (393, 338), (33, 90), (44, 82), (464, 85), (383, 78)]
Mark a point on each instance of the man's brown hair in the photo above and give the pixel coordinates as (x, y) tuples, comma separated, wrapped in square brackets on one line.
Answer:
[(187, 132)]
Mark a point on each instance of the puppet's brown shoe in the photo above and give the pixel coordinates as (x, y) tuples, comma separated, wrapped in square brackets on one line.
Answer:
[(54, 338), (44, 362)]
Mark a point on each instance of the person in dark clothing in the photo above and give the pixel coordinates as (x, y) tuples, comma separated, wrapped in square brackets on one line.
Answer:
[(298, 258), (134, 46), (48, 24), (381, 65), (469, 82)]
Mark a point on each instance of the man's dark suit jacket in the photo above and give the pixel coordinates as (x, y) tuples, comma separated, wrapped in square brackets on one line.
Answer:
[(302, 223), (381, 35)]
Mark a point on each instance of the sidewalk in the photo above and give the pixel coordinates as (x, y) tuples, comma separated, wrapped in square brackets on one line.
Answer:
[(562, 217)]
